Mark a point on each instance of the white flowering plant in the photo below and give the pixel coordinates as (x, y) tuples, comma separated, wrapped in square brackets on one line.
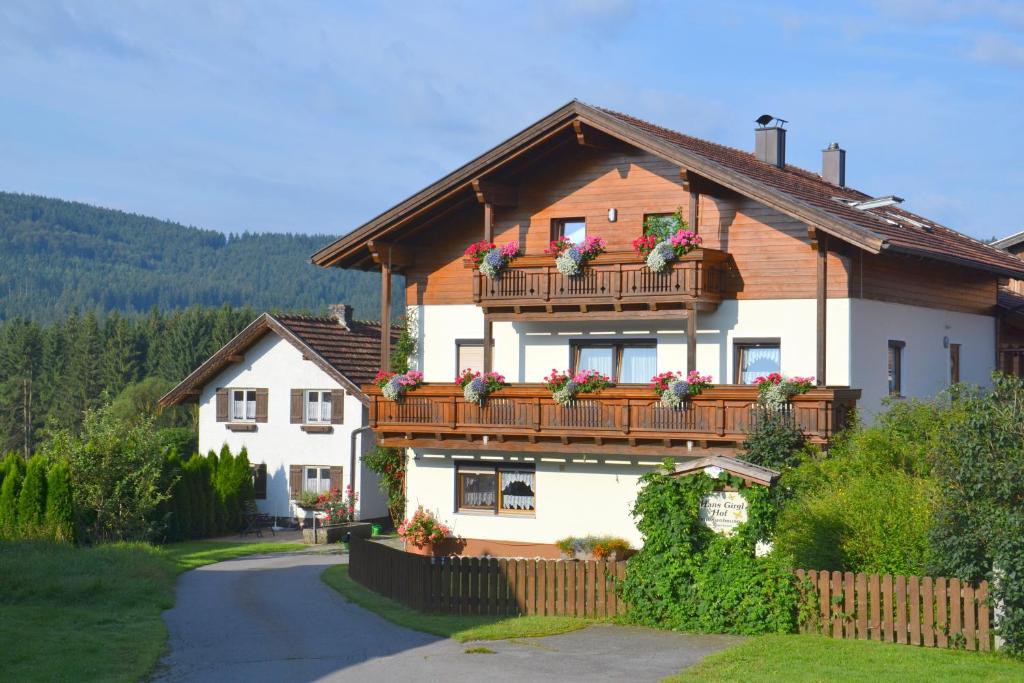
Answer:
[(570, 258), (477, 386), (394, 385), (674, 388), (564, 386), (775, 391)]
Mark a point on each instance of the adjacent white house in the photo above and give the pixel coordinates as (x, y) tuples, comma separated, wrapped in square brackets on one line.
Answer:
[(287, 389), (797, 273)]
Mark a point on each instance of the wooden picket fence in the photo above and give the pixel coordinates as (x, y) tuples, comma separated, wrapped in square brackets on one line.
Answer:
[(930, 612), (489, 586)]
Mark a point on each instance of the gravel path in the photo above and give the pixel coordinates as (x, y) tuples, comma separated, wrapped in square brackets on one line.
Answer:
[(273, 619)]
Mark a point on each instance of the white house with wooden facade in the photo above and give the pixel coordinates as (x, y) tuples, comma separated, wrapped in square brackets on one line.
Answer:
[(797, 273), (287, 389)]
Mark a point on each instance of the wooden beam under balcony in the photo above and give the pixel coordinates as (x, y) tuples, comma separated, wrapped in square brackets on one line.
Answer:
[(494, 193), (624, 419)]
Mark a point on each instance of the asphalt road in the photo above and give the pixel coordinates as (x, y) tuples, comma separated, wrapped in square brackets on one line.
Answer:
[(273, 619)]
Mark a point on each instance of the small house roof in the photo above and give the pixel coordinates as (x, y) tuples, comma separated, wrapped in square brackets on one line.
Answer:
[(740, 468), (348, 354)]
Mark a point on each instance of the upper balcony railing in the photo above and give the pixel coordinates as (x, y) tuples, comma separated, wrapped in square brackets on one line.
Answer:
[(623, 419), (532, 288)]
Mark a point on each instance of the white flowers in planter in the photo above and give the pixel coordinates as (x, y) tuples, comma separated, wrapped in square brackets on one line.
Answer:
[(660, 256)]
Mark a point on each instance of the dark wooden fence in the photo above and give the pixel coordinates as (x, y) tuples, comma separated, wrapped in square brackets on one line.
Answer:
[(931, 612), (488, 586)]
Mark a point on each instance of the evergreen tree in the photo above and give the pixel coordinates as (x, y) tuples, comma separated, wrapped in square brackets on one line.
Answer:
[(226, 489), (9, 498), (60, 511), (121, 354), (32, 499)]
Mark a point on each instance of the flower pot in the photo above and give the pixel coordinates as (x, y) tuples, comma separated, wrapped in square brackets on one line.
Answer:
[(428, 549)]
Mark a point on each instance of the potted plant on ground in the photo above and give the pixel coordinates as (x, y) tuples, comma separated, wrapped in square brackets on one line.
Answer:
[(422, 532), (611, 548)]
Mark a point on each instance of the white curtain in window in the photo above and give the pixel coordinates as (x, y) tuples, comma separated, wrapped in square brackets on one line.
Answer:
[(759, 361), (639, 364), (517, 490), (600, 358), (313, 406), (238, 406), (479, 490), (325, 406)]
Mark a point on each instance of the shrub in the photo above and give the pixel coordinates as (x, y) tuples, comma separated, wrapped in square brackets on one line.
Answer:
[(389, 465), (774, 440), (116, 478), (868, 504), (686, 577), (32, 499), (979, 528), (423, 528), (60, 511)]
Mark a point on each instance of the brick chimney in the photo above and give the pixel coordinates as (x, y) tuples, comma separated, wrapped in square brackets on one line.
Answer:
[(833, 165), (343, 314)]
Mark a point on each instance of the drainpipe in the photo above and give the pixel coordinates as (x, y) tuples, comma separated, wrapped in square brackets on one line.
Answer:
[(352, 457)]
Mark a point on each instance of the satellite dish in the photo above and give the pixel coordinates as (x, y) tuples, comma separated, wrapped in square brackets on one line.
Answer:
[(763, 120)]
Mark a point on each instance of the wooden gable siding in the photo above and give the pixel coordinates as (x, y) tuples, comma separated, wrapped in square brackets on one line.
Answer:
[(916, 282), (772, 252)]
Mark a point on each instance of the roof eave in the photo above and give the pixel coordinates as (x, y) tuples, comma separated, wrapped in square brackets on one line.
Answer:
[(451, 184), (1015, 273)]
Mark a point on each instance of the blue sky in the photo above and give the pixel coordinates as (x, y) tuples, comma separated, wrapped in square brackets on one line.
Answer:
[(315, 116)]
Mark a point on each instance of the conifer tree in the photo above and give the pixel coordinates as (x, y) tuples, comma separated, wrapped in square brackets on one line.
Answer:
[(60, 511), (9, 498), (32, 499)]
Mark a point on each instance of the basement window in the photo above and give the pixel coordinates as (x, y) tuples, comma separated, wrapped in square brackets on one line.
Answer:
[(895, 367)]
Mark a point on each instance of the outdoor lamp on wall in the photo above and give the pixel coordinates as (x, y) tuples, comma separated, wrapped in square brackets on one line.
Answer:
[(613, 215)]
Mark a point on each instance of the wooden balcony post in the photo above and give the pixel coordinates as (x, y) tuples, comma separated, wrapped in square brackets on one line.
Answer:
[(691, 338), (822, 305), (488, 325), (385, 314)]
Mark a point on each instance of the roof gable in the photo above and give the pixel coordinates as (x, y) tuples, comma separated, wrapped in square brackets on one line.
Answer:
[(349, 356), (793, 191)]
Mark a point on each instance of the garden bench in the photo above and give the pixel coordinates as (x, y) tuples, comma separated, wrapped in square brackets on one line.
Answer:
[(255, 521)]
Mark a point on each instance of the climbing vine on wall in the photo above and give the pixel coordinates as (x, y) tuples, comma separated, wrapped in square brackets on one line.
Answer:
[(688, 577)]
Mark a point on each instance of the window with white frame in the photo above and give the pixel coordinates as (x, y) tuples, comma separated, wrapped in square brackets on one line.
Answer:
[(318, 406), (317, 479), (243, 405)]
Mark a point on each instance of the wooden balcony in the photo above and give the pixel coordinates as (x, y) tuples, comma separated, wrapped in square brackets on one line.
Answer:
[(625, 419), (531, 288)]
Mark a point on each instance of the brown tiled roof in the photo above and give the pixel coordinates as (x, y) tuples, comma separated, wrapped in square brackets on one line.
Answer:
[(351, 356), (900, 229), (794, 191), (355, 353)]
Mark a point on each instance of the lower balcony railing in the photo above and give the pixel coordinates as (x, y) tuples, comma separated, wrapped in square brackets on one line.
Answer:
[(622, 419)]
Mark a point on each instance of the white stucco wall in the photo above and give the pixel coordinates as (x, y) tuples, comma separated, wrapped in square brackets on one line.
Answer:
[(575, 497), (526, 352), (276, 365), (926, 363)]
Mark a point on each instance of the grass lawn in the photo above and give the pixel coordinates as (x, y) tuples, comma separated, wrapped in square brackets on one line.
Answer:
[(460, 628), (817, 658), (80, 614)]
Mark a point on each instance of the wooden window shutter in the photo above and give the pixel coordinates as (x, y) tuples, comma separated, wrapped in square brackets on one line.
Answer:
[(222, 405), (295, 481), (296, 410), (337, 406), (262, 396), (336, 479)]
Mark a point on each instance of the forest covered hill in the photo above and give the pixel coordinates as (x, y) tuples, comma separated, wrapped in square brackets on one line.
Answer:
[(58, 256)]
